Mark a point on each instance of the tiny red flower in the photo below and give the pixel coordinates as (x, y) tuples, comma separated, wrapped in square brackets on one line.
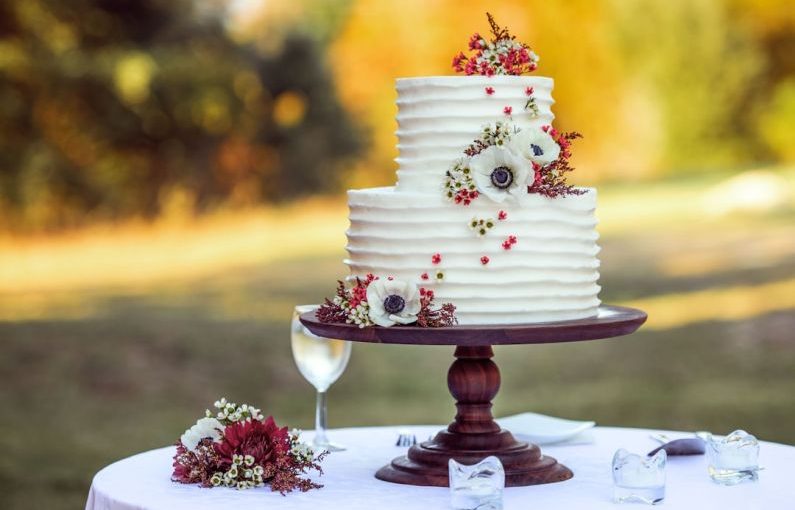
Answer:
[(390, 278), (512, 239), (507, 110), (502, 215), (436, 258), (484, 260), (424, 276), (490, 90), (506, 245), (475, 41), (528, 91)]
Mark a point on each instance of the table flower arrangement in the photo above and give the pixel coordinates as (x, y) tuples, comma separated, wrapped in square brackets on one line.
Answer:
[(238, 447)]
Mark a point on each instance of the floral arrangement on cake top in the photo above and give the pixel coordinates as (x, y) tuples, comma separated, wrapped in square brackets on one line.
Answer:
[(502, 54), (237, 447), (385, 302), (506, 162)]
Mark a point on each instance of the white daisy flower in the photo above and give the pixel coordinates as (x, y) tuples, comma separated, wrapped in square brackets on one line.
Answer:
[(501, 173), (393, 302), (536, 145)]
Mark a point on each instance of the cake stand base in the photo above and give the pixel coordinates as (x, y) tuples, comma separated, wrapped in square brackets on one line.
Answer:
[(474, 381)]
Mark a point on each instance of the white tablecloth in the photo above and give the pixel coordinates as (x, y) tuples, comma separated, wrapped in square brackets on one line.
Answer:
[(143, 481)]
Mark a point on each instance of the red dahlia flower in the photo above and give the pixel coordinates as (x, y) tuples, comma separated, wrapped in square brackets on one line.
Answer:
[(263, 440)]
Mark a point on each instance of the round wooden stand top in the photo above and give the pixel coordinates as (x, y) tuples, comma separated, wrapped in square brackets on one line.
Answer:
[(611, 321)]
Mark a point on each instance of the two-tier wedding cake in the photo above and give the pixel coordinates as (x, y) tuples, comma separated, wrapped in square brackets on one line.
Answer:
[(481, 215)]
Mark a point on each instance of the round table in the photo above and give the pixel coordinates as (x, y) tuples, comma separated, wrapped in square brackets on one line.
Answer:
[(142, 482)]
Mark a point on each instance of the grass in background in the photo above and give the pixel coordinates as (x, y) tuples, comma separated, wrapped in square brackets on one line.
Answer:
[(110, 351)]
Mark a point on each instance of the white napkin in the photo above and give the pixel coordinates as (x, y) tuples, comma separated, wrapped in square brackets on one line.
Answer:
[(545, 430)]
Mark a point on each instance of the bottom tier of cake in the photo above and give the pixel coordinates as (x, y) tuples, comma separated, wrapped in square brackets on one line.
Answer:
[(497, 263)]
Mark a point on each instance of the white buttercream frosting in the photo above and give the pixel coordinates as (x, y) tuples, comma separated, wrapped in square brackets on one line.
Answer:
[(549, 274), (438, 117)]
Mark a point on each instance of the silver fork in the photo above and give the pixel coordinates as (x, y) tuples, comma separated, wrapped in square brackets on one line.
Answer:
[(406, 438)]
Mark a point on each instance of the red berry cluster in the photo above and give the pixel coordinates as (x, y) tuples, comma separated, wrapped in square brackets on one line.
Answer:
[(508, 243), (465, 196), (563, 139), (436, 258), (358, 292), (426, 293)]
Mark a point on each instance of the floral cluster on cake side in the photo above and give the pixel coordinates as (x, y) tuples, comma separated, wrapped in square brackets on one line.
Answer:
[(385, 302), (237, 447)]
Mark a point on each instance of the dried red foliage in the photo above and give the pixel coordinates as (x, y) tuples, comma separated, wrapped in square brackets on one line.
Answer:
[(195, 466), (428, 317), (550, 180)]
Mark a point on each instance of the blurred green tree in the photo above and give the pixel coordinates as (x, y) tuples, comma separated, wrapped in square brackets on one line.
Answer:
[(123, 108)]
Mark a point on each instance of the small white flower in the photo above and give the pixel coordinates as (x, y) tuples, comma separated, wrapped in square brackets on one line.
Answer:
[(536, 145), (500, 173), (392, 302), (205, 427)]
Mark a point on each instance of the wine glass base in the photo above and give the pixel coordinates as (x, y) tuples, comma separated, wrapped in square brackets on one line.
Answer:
[(329, 447)]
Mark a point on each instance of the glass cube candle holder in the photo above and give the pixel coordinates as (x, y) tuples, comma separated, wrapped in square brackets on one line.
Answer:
[(478, 486), (639, 479), (734, 458)]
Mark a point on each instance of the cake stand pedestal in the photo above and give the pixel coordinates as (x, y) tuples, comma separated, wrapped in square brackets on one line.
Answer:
[(474, 380)]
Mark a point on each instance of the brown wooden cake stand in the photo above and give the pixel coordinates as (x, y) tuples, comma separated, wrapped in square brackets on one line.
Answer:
[(473, 380)]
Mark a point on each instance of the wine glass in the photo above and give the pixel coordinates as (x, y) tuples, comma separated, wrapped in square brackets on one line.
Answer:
[(321, 361)]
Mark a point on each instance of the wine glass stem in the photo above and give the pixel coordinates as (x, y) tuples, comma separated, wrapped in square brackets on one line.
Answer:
[(320, 419)]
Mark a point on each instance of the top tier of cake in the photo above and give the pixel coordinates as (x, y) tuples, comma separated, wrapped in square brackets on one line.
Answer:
[(439, 116)]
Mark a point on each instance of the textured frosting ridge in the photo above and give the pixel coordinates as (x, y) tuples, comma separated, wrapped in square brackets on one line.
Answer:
[(438, 117), (550, 274)]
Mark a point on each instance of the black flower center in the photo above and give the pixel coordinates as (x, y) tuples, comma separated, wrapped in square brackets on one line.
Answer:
[(394, 304), (502, 177), (537, 151)]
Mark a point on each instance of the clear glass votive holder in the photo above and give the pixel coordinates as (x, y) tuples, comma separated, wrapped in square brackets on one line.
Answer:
[(734, 458), (478, 486), (638, 478)]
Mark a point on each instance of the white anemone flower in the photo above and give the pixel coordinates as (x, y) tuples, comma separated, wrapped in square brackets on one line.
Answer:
[(500, 173), (536, 145), (205, 427), (393, 302)]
